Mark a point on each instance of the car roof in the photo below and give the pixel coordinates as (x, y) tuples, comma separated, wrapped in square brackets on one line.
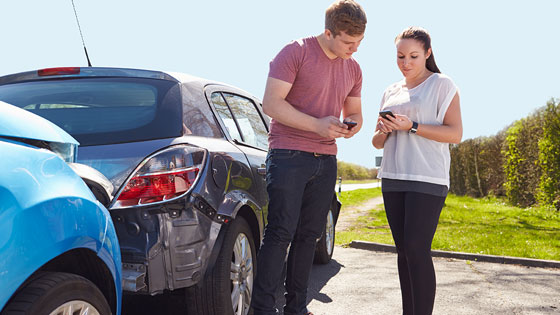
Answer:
[(81, 72)]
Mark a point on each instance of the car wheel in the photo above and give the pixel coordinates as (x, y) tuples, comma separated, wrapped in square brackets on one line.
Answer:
[(58, 293), (228, 288), (325, 245)]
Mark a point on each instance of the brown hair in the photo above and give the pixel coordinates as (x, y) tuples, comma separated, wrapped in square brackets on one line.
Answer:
[(345, 16), (421, 35)]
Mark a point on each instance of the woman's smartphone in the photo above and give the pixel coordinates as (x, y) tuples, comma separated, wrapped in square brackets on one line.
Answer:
[(350, 124), (385, 113)]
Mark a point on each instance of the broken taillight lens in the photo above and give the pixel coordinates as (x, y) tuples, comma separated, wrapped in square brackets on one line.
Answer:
[(164, 176)]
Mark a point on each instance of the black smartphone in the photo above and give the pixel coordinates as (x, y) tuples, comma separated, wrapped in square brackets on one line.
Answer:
[(385, 113), (350, 124)]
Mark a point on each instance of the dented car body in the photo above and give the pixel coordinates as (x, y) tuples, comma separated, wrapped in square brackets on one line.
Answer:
[(186, 161)]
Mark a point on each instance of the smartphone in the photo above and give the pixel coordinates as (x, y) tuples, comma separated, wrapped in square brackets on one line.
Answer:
[(350, 124), (385, 113)]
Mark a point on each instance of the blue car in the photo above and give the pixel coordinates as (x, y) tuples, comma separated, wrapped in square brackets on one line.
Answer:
[(59, 252)]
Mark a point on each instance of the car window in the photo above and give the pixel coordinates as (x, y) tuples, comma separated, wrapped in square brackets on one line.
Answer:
[(249, 120), (226, 116), (103, 110)]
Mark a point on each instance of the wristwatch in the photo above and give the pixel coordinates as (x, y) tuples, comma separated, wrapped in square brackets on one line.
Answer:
[(414, 127)]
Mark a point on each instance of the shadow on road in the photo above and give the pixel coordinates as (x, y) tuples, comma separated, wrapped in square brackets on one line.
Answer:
[(173, 304), (320, 276), (163, 304)]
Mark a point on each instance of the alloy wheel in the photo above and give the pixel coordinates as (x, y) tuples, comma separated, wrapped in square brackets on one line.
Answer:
[(241, 275), (329, 233), (75, 308)]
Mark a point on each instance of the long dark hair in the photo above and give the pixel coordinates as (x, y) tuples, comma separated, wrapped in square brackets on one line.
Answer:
[(421, 35)]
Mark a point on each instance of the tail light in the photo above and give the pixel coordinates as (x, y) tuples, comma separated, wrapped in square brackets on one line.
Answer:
[(167, 175), (58, 71)]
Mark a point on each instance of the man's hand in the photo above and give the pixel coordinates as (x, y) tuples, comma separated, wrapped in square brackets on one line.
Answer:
[(330, 127), (352, 111), (352, 129)]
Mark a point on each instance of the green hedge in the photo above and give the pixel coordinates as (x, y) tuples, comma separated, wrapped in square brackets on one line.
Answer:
[(521, 162), (549, 157), (349, 171)]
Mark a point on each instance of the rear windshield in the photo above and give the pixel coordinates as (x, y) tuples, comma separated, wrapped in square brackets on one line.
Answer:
[(103, 110)]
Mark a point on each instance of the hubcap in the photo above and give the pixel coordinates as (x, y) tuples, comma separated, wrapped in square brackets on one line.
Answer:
[(241, 275), (329, 233), (75, 308)]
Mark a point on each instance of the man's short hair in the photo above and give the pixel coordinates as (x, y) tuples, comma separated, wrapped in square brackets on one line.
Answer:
[(345, 16)]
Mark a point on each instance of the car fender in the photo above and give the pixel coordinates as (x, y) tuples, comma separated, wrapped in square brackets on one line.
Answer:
[(335, 206), (233, 201), (47, 210), (37, 237)]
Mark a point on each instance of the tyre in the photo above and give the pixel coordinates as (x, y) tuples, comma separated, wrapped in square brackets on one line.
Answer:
[(325, 245), (57, 293), (227, 289)]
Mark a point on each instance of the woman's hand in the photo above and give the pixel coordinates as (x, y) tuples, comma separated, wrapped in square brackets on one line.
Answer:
[(399, 122), (382, 127), (382, 131)]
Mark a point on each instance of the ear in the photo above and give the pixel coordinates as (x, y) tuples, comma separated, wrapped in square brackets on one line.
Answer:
[(328, 34), (429, 53)]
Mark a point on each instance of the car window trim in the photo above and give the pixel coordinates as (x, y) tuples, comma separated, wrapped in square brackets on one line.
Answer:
[(216, 88), (211, 88), (233, 116), (254, 106)]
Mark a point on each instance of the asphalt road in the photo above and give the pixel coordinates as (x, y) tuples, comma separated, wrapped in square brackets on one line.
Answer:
[(347, 187), (365, 282)]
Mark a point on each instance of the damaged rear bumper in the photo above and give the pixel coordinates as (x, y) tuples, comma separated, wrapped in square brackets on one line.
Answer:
[(166, 247)]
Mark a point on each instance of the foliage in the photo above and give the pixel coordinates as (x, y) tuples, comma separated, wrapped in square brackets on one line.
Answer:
[(549, 157), (355, 172), (476, 166), (521, 162)]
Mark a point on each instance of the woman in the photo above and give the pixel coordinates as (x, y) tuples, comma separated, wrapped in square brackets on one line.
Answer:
[(415, 167)]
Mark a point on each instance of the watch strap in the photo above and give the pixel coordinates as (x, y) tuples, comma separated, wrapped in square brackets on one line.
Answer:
[(414, 127)]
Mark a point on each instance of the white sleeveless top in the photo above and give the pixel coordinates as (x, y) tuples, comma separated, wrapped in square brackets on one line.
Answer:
[(409, 156)]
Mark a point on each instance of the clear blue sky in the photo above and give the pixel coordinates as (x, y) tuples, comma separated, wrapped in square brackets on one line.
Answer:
[(501, 54)]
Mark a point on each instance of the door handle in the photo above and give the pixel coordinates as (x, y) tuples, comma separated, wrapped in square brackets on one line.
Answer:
[(261, 171)]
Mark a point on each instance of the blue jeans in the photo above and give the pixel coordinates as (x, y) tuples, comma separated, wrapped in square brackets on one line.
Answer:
[(300, 188)]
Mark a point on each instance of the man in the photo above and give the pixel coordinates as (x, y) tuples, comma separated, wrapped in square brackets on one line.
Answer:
[(311, 81)]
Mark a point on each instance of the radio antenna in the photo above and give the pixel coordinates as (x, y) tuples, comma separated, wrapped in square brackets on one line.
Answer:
[(81, 35)]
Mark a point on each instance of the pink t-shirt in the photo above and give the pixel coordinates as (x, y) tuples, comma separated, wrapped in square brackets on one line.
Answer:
[(319, 88)]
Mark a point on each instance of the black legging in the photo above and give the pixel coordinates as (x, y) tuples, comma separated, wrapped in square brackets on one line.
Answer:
[(413, 218)]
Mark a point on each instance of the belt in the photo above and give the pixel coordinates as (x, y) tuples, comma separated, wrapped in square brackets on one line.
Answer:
[(315, 154)]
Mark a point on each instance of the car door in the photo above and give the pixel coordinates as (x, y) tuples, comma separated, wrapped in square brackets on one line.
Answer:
[(248, 130)]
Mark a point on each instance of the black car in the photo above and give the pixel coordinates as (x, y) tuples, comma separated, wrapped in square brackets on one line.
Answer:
[(186, 161)]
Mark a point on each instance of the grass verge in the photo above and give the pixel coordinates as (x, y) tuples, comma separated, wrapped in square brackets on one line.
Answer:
[(358, 196), (481, 226)]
